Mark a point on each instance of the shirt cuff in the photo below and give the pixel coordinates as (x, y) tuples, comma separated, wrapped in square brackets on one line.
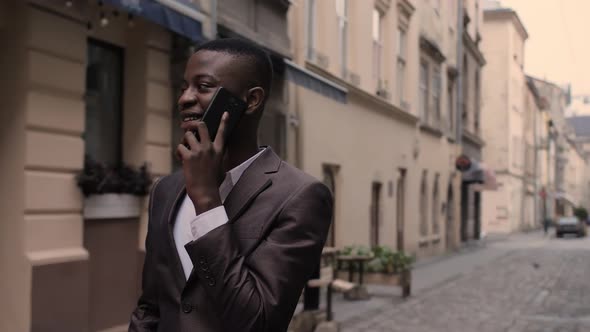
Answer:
[(208, 221)]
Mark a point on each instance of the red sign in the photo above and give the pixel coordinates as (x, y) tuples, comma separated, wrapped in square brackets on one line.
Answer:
[(463, 163)]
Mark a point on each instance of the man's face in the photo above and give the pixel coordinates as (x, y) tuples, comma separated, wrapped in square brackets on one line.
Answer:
[(205, 72)]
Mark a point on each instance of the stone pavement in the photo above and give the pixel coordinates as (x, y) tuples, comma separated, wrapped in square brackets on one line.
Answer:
[(523, 283)]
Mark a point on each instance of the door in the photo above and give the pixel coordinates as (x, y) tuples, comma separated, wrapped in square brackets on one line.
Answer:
[(375, 213), (330, 182), (450, 217), (400, 208)]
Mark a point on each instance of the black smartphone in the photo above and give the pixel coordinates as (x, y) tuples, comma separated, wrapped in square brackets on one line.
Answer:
[(223, 101)]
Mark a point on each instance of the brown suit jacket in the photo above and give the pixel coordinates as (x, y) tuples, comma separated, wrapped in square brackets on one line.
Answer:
[(249, 273)]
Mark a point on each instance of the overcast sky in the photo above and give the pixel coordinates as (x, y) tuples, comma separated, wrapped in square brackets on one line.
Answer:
[(558, 48)]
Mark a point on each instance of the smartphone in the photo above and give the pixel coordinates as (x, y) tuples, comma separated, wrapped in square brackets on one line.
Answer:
[(223, 101)]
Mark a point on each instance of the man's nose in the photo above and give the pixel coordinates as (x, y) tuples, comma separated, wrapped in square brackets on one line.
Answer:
[(187, 99)]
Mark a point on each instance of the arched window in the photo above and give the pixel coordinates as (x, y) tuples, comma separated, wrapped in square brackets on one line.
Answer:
[(424, 204)]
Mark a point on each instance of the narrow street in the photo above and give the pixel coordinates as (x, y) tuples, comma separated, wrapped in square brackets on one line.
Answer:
[(521, 283)]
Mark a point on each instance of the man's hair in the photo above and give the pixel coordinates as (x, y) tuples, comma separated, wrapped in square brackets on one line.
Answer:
[(256, 58)]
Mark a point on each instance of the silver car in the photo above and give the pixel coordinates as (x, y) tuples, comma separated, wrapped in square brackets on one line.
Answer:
[(571, 225)]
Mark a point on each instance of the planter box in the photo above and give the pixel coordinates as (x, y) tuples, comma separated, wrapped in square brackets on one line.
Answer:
[(112, 206), (403, 280), (383, 279)]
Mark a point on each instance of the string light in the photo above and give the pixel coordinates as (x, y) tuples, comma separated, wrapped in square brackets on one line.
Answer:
[(69, 4)]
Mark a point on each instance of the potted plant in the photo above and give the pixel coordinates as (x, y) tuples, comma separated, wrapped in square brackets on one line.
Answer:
[(112, 191)]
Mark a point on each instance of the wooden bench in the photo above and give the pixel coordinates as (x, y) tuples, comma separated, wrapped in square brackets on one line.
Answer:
[(328, 281)]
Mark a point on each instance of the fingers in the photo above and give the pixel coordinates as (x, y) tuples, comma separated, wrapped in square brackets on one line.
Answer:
[(203, 133), (182, 152), (220, 137), (191, 140)]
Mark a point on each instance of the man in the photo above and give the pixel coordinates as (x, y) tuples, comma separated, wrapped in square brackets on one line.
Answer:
[(234, 236)]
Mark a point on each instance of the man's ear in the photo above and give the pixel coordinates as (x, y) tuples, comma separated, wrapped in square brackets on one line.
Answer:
[(255, 99)]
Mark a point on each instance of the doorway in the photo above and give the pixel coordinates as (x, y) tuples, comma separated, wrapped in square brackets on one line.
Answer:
[(450, 217), (330, 182), (400, 208), (375, 213)]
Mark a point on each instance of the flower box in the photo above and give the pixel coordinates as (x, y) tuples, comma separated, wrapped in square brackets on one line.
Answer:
[(403, 280), (112, 206)]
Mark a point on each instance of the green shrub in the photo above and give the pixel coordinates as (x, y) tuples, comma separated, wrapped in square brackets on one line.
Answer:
[(581, 213), (384, 259)]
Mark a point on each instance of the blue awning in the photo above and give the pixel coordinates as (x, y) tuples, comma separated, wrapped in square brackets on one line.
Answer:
[(314, 82), (181, 16)]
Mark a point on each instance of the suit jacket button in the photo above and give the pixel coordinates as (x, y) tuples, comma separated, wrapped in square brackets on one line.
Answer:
[(211, 282), (186, 308)]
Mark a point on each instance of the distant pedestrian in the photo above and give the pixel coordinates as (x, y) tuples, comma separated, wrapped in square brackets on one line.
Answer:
[(546, 224)]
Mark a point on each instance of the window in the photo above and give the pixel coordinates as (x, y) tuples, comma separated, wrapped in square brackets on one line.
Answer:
[(423, 205), (424, 90), (104, 94), (435, 206), (476, 105), (464, 104), (436, 87), (430, 91), (342, 13), (377, 42), (401, 65), (450, 106), (311, 29)]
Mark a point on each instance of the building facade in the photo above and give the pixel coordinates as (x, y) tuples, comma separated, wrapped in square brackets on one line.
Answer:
[(390, 154), (470, 62), (507, 111), (98, 78), (566, 156)]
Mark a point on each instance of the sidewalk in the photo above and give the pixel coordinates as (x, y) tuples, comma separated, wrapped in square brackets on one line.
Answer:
[(433, 272)]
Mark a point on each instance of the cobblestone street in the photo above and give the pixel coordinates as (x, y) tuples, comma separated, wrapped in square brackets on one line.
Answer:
[(521, 284)]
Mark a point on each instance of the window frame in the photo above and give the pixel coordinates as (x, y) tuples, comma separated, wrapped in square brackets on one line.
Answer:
[(424, 85), (377, 42), (343, 22), (402, 38)]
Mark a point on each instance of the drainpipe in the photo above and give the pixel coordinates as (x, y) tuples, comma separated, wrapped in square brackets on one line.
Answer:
[(459, 84), (535, 169), (459, 116), (213, 19)]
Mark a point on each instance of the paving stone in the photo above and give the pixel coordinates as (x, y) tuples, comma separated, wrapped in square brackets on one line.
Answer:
[(532, 286)]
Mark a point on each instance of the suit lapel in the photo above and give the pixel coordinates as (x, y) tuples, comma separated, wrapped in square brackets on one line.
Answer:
[(253, 181), (174, 206)]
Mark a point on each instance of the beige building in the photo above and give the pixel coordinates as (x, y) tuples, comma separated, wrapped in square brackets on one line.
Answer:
[(567, 167), (96, 78), (388, 148), (479, 178), (507, 110)]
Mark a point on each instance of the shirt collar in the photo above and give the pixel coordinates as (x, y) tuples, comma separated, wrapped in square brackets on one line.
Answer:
[(236, 172)]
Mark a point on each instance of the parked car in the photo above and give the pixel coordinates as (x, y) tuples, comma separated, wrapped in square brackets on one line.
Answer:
[(571, 225)]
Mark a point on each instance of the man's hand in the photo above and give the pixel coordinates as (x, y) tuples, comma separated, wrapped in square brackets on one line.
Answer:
[(202, 166)]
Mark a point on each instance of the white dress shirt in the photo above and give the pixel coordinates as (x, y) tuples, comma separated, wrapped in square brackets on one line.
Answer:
[(189, 227)]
